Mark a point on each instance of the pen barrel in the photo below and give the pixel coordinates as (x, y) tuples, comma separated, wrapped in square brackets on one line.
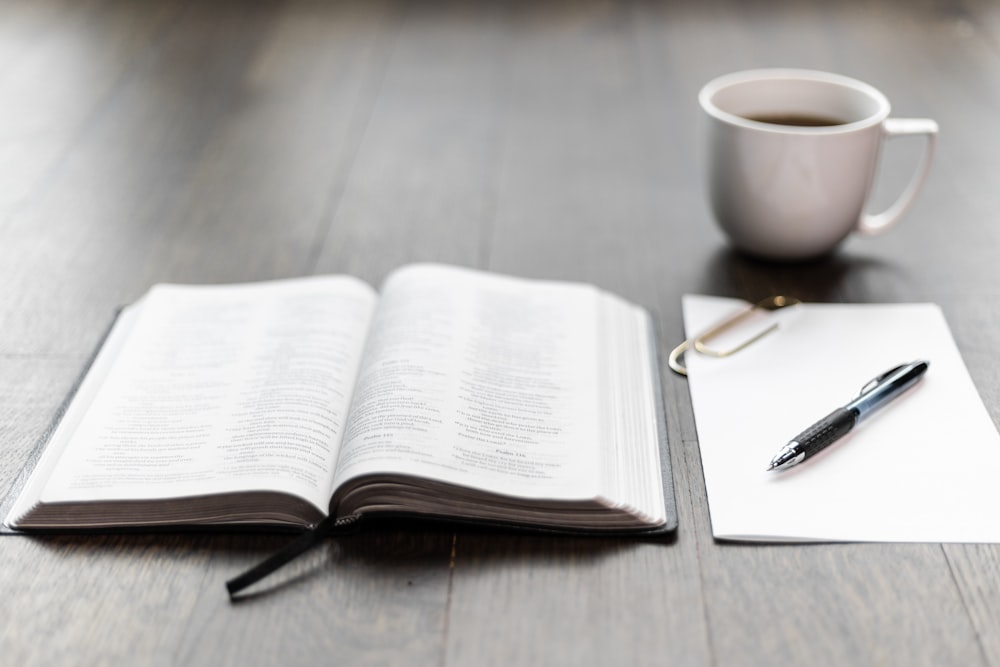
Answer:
[(826, 431)]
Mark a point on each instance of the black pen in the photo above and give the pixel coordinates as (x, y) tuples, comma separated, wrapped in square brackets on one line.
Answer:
[(838, 423)]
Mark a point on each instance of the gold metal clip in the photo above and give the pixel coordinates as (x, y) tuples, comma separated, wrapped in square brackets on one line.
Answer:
[(699, 342)]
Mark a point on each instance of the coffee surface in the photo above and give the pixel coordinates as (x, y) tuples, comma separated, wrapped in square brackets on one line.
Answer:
[(796, 119)]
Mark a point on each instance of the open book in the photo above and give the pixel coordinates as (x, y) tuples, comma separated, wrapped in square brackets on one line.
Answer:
[(454, 394)]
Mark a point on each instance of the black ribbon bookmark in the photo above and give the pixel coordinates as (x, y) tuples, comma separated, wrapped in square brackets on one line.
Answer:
[(294, 549)]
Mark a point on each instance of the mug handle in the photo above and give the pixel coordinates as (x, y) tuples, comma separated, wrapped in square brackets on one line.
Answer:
[(871, 224)]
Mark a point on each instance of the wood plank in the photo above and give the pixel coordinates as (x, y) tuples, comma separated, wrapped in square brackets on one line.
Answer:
[(371, 599), (215, 158), (99, 600), (564, 601), (420, 187), (64, 63), (30, 397), (574, 203), (973, 320), (77, 243), (255, 202), (889, 603), (59, 63), (976, 570)]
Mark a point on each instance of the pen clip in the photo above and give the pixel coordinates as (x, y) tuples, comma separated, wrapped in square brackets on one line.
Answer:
[(877, 380)]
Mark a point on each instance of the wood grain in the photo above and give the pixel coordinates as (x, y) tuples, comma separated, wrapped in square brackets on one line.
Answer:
[(225, 141)]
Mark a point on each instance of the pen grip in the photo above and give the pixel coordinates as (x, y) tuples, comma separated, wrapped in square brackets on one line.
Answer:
[(826, 431)]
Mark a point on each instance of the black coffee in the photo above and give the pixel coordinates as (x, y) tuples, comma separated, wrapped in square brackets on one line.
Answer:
[(796, 119)]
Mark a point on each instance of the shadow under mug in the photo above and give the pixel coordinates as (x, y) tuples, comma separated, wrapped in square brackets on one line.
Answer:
[(792, 157)]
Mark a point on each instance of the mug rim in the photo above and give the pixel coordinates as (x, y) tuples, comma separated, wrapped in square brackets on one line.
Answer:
[(710, 89)]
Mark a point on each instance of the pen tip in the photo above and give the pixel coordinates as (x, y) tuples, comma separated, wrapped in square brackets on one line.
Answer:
[(786, 458)]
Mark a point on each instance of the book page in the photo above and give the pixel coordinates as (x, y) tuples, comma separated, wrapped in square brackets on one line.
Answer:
[(222, 389), (480, 380)]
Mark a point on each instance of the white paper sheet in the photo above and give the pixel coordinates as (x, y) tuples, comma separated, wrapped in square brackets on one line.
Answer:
[(925, 468)]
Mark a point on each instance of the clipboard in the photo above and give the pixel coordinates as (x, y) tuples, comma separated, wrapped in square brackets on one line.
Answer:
[(923, 471)]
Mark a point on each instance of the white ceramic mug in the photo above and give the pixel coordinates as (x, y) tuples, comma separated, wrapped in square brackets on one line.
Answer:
[(792, 157)]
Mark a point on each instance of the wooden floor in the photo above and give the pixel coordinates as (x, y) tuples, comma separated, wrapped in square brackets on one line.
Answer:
[(222, 141)]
